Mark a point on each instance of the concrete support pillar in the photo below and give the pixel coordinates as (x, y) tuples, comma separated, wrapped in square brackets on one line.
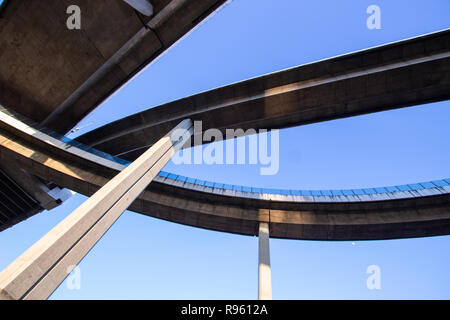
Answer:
[(42, 268), (264, 276)]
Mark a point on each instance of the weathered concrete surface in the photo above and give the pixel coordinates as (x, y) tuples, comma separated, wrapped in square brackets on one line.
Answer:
[(56, 76), (71, 168), (22, 195), (16, 204), (31, 185), (52, 74), (401, 74), (41, 269)]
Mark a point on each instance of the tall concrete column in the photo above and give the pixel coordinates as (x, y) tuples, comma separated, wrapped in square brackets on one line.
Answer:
[(42, 268), (264, 276)]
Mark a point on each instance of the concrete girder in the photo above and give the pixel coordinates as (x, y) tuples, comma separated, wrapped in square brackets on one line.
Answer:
[(400, 74), (83, 172)]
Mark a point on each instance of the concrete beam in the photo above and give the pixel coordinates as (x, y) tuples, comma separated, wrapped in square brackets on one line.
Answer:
[(264, 274), (85, 173), (396, 75), (113, 43), (143, 6), (410, 214), (42, 268), (33, 186), (165, 27)]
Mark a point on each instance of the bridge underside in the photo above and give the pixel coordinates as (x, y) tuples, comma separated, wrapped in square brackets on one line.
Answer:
[(78, 170), (46, 81), (401, 74), (16, 204), (56, 76)]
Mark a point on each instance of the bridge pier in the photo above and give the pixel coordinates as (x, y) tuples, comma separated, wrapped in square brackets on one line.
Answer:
[(264, 273), (44, 266)]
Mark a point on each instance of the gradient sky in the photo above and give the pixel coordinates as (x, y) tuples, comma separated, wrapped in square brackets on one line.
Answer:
[(145, 258)]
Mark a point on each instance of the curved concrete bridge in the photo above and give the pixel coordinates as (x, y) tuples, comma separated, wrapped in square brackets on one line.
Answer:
[(405, 73), (400, 74), (416, 210)]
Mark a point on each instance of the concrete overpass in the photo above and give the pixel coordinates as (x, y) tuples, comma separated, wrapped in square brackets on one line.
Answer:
[(393, 212), (409, 72), (416, 210), (396, 75), (46, 89), (56, 76)]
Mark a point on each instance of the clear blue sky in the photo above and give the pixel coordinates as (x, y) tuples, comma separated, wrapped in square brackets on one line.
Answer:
[(145, 258)]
